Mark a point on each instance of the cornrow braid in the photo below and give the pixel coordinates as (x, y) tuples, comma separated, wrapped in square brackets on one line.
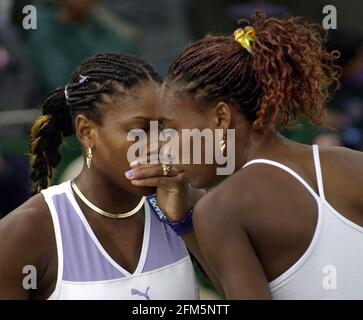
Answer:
[(288, 72), (100, 74)]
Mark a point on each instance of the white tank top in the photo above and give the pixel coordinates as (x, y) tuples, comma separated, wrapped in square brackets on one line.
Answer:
[(332, 266), (86, 271)]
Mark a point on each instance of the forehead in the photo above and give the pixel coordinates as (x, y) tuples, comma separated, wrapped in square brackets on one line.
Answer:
[(137, 101), (169, 101), (173, 104)]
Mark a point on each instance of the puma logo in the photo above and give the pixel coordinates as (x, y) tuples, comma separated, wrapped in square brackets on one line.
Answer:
[(145, 295)]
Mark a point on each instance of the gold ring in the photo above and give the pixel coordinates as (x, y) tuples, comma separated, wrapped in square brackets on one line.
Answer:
[(166, 169)]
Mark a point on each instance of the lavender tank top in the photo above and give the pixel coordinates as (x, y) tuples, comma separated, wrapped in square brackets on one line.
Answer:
[(86, 270)]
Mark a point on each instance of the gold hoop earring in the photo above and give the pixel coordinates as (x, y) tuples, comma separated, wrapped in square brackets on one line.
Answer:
[(89, 158), (222, 143)]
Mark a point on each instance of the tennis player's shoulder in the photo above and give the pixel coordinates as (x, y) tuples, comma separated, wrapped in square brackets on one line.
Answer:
[(341, 157), (227, 202), (341, 165), (28, 227), (27, 241), (342, 170)]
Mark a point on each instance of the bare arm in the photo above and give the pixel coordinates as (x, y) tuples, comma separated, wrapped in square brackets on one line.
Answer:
[(192, 243), (227, 249), (22, 252)]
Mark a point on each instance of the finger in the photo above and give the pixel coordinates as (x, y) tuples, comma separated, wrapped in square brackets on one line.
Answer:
[(161, 181), (155, 182), (149, 171), (146, 160), (143, 161)]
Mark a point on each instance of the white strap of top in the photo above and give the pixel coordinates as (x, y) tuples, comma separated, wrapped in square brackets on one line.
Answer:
[(319, 175), (296, 175)]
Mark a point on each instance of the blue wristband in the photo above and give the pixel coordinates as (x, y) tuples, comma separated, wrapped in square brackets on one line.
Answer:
[(152, 201), (183, 226), (180, 227)]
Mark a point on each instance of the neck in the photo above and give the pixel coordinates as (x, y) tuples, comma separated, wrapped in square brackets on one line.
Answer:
[(104, 193), (261, 145)]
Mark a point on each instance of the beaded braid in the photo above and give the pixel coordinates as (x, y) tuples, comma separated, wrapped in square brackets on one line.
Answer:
[(96, 76)]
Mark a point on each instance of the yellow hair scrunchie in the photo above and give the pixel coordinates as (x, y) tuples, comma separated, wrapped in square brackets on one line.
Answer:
[(246, 37)]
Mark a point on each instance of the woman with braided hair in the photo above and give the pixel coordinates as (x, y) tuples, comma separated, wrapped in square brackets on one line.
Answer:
[(94, 237), (288, 223)]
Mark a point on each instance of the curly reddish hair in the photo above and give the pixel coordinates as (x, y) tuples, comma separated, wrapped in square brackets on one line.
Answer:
[(289, 72)]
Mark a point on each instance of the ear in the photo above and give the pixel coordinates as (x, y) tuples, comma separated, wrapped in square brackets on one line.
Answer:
[(222, 115), (85, 131)]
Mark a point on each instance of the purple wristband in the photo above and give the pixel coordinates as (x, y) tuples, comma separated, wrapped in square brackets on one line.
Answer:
[(183, 226)]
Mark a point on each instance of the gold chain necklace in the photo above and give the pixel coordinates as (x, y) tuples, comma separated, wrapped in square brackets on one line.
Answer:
[(104, 213)]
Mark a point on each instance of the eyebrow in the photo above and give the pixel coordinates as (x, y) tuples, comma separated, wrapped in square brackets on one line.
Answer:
[(140, 118), (163, 119)]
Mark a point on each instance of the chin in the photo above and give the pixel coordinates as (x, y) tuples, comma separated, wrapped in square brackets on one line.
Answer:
[(195, 181), (206, 182)]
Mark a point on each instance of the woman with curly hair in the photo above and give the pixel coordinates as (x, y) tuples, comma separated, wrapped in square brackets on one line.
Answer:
[(288, 223)]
